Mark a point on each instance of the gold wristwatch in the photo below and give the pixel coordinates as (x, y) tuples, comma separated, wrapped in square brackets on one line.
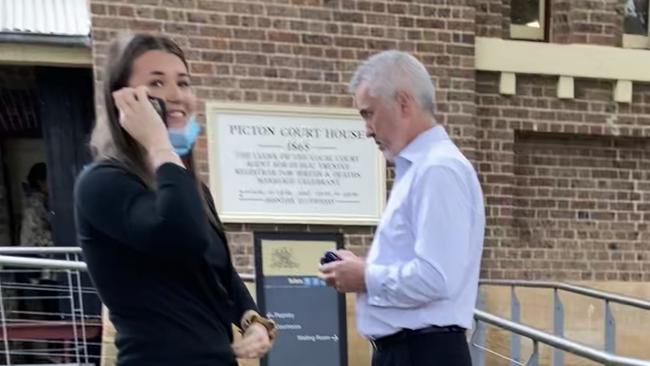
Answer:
[(252, 316)]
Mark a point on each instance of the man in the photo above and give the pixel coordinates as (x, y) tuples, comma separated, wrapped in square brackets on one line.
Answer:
[(417, 288)]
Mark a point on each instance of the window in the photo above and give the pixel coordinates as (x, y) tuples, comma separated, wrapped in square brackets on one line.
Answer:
[(527, 19), (635, 26)]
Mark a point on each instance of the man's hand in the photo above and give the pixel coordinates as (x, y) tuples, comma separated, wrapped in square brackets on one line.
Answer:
[(345, 275)]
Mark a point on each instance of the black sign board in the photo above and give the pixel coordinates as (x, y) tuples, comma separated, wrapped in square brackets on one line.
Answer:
[(310, 316)]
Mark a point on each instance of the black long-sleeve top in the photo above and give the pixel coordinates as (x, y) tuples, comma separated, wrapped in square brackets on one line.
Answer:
[(159, 265)]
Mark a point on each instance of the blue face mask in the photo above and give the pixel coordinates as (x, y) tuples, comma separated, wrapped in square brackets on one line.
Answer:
[(183, 139)]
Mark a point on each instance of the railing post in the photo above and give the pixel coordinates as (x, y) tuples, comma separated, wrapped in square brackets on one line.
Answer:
[(480, 299), (610, 329), (477, 344), (5, 336), (558, 326), (82, 313), (73, 311), (534, 357), (515, 339), (477, 341)]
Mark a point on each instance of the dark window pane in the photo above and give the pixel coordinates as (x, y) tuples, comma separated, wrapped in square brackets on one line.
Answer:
[(636, 17), (525, 12)]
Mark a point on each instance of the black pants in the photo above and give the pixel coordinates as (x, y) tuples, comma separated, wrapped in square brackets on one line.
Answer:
[(430, 349)]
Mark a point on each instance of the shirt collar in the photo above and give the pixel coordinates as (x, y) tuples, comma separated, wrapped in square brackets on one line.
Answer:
[(417, 148)]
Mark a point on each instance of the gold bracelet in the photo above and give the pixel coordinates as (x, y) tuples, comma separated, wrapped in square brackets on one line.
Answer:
[(253, 316)]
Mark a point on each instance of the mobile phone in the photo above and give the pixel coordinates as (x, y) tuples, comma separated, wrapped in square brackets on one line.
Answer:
[(329, 257), (159, 106)]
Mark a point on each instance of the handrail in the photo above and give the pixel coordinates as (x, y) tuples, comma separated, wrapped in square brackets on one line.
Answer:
[(8, 260), (62, 264), (66, 264), (39, 250), (581, 290), (536, 335), (558, 342)]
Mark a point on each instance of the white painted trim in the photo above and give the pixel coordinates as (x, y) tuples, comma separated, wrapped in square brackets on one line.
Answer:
[(635, 41), (46, 55), (623, 91), (565, 87), (508, 83), (581, 61), (526, 32)]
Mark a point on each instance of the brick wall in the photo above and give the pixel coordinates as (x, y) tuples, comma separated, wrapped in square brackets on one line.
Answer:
[(492, 18), (598, 22), (302, 52), (581, 206), (565, 181)]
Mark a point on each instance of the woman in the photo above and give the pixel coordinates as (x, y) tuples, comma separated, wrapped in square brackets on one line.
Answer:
[(154, 246), (35, 226)]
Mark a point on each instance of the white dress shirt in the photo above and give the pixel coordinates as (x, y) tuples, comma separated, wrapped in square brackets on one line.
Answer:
[(423, 265)]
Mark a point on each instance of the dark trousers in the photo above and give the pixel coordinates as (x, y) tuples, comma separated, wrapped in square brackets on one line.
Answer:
[(430, 349)]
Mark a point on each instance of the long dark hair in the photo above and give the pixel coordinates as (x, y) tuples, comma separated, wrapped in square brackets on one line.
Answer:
[(37, 175), (109, 140)]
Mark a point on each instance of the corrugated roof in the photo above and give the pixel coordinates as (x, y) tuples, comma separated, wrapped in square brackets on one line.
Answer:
[(45, 17), (19, 112)]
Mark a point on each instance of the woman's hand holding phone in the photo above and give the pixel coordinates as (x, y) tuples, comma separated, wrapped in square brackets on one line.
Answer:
[(140, 120)]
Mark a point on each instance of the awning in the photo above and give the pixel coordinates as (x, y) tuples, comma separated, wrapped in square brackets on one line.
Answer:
[(57, 21)]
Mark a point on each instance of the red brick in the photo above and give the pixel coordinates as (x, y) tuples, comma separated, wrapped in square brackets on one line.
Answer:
[(98, 9), (184, 4), (279, 36)]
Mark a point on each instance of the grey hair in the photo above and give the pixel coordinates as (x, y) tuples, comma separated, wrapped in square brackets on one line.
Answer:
[(390, 71)]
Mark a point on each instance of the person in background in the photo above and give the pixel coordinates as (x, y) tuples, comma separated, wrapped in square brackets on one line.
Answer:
[(35, 229), (155, 248), (417, 287), (34, 300)]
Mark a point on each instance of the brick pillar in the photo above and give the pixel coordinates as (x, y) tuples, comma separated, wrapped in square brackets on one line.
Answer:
[(596, 22), (490, 19)]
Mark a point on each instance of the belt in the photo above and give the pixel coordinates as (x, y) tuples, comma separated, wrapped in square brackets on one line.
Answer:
[(405, 334)]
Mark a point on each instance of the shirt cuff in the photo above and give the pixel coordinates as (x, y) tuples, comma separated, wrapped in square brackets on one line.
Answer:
[(375, 277)]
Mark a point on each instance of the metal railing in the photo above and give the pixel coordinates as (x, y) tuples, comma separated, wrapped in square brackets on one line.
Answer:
[(482, 318), (609, 341), (42, 307), (537, 337), (18, 250), (8, 260)]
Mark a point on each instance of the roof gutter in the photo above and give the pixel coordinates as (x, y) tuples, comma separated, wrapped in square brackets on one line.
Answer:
[(60, 40)]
